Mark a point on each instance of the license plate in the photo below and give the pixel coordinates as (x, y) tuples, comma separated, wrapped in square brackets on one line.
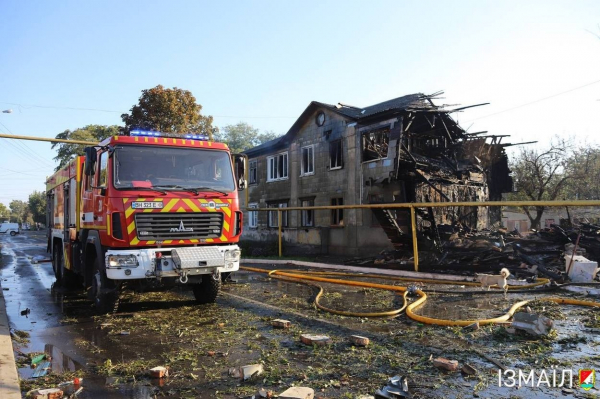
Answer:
[(147, 205)]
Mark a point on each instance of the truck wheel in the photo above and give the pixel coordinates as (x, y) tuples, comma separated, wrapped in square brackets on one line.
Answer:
[(208, 289), (104, 292), (13, 233)]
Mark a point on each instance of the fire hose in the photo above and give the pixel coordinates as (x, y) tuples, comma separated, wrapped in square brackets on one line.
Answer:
[(310, 277)]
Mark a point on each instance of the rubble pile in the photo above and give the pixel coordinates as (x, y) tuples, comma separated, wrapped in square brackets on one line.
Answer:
[(459, 249)]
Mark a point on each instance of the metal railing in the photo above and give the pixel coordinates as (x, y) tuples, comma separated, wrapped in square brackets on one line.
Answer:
[(413, 219)]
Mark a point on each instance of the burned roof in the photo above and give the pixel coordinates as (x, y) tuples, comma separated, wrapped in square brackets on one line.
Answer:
[(410, 102)]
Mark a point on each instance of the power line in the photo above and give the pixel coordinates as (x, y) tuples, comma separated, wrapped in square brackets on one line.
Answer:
[(536, 101), (28, 151), (113, 111)]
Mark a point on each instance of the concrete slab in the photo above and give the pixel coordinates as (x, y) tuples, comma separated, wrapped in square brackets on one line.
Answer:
[(298, 393), (9, 378)]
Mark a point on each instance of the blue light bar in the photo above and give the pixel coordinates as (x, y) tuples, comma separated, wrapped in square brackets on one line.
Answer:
[(150, 133)]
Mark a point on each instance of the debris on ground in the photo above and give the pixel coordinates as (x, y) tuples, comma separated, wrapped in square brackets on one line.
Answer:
[(359, 340), (251, 371), (532, 323), (263, 393), (297, 393), (49, 393), (397, 387), (280, 323), (445, 364), (159, 372), (468, 369), (41, 370), (312, 339)]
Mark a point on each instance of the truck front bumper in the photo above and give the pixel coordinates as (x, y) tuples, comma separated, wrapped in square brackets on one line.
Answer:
[(178, 262)]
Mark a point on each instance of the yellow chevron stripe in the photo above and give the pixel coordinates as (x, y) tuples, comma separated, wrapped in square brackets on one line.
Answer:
[(226, 226), (227, 211), (150, 242), (181, 241), (194, 241), (202, 144), (223, 238), (156, 141), (181, 209), (145, 139), (125, 200), (130, 227), (167, 241), (135, 241), (210, 240), (191, 204), (136, 139), (170, 205), (128, 212), (165, 141)]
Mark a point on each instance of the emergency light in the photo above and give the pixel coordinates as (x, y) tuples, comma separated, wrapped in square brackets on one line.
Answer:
[(150, 133)]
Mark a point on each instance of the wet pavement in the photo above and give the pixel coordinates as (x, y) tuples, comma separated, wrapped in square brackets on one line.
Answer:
[(201, 343)]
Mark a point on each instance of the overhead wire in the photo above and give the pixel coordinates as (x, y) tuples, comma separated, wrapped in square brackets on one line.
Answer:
[(27, 150)]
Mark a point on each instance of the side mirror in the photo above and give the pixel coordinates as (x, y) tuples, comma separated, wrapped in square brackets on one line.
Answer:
[(239, 166), (90, 161)]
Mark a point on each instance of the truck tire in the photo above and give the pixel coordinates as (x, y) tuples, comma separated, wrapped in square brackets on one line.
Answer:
[(13, 233), (104, 293), (208, 289)]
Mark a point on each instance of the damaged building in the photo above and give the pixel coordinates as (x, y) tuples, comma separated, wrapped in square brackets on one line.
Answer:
[(403, 150)]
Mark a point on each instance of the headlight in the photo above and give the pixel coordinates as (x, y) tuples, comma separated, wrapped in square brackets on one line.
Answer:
[(122, 261), (232, 255)]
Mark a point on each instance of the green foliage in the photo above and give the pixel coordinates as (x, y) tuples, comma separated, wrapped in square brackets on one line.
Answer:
[(37, 206), (4, 212), (92, 133), (17, 210), (242, 136), (168, 110)]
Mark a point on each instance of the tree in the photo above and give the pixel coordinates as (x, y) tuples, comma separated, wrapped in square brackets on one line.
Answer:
[(17, 209), (584, 164), (541, 175), (242, 136), (168, 110), (93, 133), (37, 206), (4, 213)]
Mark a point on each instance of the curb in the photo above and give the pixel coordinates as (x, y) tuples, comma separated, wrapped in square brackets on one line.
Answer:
[(399, 273), (9, 378)]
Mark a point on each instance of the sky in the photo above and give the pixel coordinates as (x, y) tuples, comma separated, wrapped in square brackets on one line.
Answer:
[(67, 64)]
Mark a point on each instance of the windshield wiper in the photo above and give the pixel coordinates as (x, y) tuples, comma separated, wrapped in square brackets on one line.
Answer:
[(178, 188), (210, 189), (163, 192)]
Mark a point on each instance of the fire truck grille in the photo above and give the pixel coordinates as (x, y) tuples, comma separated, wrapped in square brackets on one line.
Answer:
[(178, 226)]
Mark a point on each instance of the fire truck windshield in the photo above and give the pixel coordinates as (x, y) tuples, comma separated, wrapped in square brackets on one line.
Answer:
[(189, 169)]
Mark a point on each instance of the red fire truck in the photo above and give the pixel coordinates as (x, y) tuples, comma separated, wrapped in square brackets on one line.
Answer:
[(146, 212)]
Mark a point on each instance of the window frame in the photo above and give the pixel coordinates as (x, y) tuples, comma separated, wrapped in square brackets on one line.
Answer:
[(310, 159), (341, 154), (253, 216), (253, 168), (273, 214), (273, 162), (337, 214), (306, 214), (100, 168)]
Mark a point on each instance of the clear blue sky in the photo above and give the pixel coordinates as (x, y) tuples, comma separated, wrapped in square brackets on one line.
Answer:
[(262, 62)]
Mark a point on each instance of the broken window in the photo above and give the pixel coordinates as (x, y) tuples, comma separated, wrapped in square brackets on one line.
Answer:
[(308, 160), (337, 215), (253, 216), (253, 172), (375, 144), (335, 154), (277, 167), (308, 216), (273, 221)]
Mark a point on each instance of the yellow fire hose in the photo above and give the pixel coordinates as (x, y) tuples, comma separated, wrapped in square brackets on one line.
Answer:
[(303, 277)]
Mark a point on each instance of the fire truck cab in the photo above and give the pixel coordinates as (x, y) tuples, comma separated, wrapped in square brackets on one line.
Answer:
[(146, 212)]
